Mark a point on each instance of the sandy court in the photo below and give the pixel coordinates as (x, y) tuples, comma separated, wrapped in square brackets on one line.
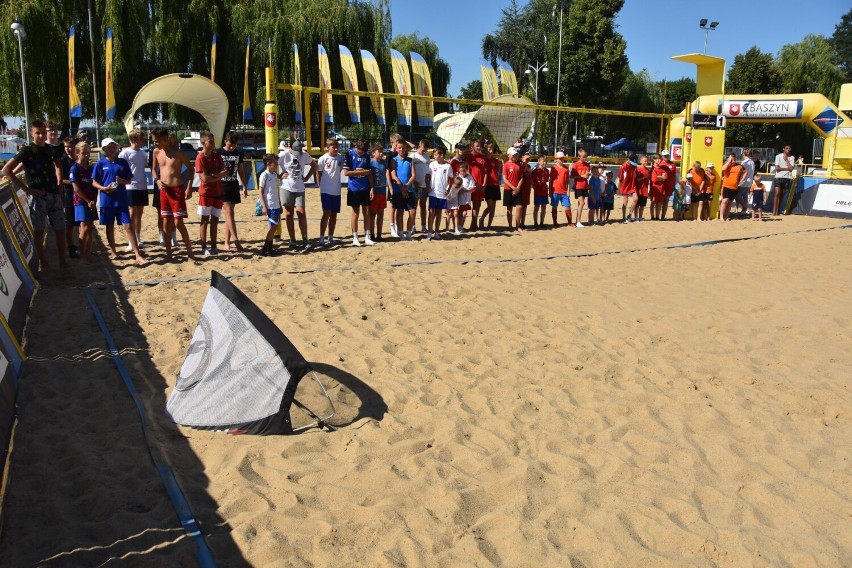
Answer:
[(502, 403)]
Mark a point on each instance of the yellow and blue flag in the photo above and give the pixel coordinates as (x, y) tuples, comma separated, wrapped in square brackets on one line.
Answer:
[(423, 88), (110, 94), (490, 89), (325, 82), (247, 116), (75, 108), (402, 82), (350, 82), (508, 78), (297, 80), (213, 60), (374, 83)]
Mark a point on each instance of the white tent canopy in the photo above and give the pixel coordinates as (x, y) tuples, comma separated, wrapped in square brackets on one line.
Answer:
[(193, 91), (504, 123)]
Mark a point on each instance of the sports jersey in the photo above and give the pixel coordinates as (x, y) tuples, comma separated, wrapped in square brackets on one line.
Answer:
[(672, 173), (698, 177), (268, 182), (731, 176), (379, 170), (82, 176), (608, 193), (642, 180), (526, 181), (627, 177), (711, 181), (330, 167), (493, 169), (293, 165), (232, 160), (454, 163), (403, 168), (467, 183), (578, 172), (595, 188), (658, 185), (513, 174), (748, 178), (540, 178), (137, 159), (356, 161), (440, 179), (559, 178), (39, 165), (476, 167), (106, 172), (211, 164), (421, 168)]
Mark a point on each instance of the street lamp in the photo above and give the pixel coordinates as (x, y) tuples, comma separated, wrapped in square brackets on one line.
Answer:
[(21, 33), (535, 69), (702, 23)]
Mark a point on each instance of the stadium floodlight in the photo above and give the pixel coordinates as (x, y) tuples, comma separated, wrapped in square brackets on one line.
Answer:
[(21, 33), (702, 23)]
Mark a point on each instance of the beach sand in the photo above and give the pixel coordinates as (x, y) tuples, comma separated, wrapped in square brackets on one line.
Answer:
[(503, 403)]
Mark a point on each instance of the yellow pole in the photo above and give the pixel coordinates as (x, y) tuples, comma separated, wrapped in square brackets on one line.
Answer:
[(270, 114), (323, 103)]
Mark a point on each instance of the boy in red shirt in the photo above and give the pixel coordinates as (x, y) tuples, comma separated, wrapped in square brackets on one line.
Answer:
[(540, 177), (627, 187), (580, 173), (558, 191), (476, 165), (642, 181), (513, 178), (492, 184), (210, 169), (659, 183)]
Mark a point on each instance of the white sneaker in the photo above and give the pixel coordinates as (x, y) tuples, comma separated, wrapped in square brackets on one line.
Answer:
[(393, 232), (368, 241), (356, 242), (129, 247), (206, 252), (458, 232), (580, 225), (162, 239)]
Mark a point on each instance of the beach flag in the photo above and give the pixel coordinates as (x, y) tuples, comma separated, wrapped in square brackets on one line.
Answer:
[(490, 90), (423, 88), (507, 78), (402, 82), (213, 60), (350, 82), (241, 372), (297, 80), (110, 93), (325, 82), (75, 108), (247, 116), (374, 83)]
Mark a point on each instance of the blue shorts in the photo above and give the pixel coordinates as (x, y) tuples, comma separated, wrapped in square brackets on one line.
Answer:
[(558, 198), (594, 204), (330, 202), (539, 200), (273, 216), (111, 215), (82, 214), (437, 203)]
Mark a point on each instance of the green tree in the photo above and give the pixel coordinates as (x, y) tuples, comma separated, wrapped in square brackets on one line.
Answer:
[(809, 67), (752, 73), (841, 41), (676, 94), (471, 92)]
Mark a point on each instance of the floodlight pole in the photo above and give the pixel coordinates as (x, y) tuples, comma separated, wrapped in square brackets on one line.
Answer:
[(542, 67), (702, 24), (20, 33)]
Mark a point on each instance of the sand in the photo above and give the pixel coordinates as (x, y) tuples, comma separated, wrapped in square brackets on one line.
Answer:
[(505, 405)]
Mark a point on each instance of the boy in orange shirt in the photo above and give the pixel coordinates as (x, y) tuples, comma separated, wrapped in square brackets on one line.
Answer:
[(700, 199), (558, 190), (580, 173), (732, 174)]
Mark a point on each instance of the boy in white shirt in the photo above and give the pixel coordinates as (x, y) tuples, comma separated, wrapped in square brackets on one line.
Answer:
[(329, 167), (137, 191), (422, 189), (267, 186), (291, 164), (440, 174)]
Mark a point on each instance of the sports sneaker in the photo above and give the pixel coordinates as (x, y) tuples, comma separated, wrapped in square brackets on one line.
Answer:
[(458, 232), (129, 247), (368, 241), (293, 243), (331, 241), (437, 236), (428, 236), (214, 250), (579, 225), (356, 242), (162, 239), (305, 244), (322, 241), (206, 252), (393, 232)]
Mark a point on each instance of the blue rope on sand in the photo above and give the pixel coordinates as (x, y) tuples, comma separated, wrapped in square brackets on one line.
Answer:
[(179, 502), (105, 286)]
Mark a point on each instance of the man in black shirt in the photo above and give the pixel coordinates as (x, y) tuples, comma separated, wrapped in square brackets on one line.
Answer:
[(231, 184), (43, 175)]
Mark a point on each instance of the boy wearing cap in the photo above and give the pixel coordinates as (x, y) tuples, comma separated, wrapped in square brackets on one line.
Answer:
[(710, 178), (46, 203), (291, 163), (558, 190), (110, 175)]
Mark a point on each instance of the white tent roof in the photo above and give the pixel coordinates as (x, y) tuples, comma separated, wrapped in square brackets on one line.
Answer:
[(504, 123), (193, 91)]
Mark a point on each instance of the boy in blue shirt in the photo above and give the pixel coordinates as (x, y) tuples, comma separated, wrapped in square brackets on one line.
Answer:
[(607, 197), (379, 201), (595, 190), (110, 175), (360, 185)]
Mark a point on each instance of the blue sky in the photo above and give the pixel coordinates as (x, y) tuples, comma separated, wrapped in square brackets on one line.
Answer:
[(654, 30)]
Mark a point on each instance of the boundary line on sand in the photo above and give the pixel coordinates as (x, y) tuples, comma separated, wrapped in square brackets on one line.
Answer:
[(106, 286), (203, 554)]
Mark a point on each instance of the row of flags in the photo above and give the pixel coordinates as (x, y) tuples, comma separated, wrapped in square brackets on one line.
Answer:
[(490, 89), (75, 107), (422, 84)]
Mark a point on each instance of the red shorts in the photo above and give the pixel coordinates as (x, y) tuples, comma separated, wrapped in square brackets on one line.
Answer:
[(379, 201), (172, 202), (215, 202), (477, 195), (465, 207)]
